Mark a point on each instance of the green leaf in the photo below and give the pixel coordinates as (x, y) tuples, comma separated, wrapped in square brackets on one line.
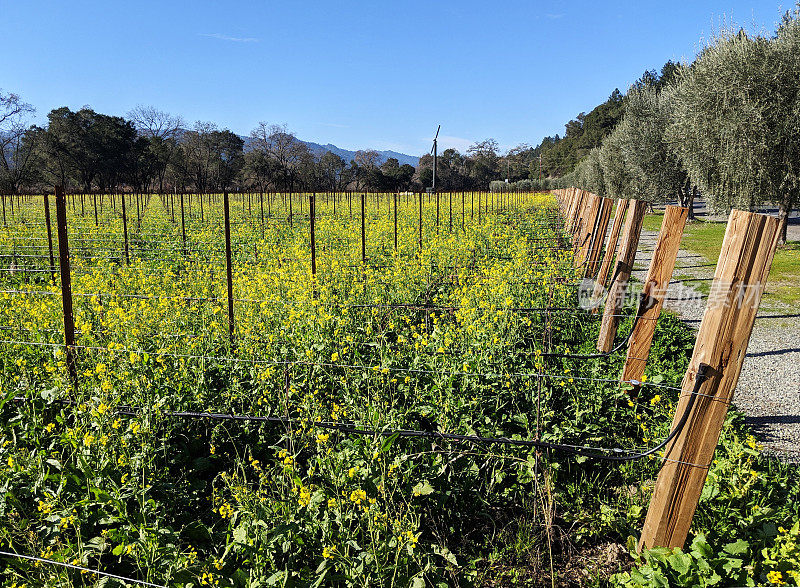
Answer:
[(387, 443), (240, 534), (446, 554), (680, 562), (737, 548), (422, 488)]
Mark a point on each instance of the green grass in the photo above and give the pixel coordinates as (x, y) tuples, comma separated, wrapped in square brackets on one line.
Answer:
[(705, 238)]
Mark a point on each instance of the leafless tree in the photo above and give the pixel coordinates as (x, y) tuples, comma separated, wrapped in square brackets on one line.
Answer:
[(282, 147), (152, 122), (163, 130), (16, 153)]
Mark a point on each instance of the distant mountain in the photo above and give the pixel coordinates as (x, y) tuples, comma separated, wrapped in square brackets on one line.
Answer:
[(346, 154), (402, 158)]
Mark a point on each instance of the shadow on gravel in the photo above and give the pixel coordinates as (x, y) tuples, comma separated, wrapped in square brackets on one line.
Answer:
[(774, 316), (762, 421), (774, 352)]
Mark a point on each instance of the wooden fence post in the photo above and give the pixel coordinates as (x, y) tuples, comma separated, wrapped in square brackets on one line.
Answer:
[(587, 228), (598, 237), (654, 291), (744, 263), (66, 285), (228, 268), (622, 273), (611, 249)]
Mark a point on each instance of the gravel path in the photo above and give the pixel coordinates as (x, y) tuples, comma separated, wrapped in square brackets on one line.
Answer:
[(768, 391)]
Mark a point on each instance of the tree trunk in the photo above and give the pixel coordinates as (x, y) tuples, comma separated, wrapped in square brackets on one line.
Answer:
[(690, 204), (784, 210)]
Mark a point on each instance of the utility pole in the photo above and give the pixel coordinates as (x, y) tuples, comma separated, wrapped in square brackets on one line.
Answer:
[(434, 151)]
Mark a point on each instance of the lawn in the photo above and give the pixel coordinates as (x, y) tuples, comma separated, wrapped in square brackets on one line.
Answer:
[(705, 238)]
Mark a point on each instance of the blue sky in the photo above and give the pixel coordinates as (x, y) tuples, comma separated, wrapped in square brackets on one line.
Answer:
[(357, 74)]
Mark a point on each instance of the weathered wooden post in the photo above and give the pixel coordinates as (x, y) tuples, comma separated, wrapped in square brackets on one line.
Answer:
[(744, 263), (654, 291), (598, 237), (611, 249), (586, 231), (622, 273)]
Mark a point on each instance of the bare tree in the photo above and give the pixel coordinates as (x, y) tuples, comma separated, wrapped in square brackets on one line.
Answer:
[(281, 145), (152, 122), (163, 131), (368, 174), (16, 153)]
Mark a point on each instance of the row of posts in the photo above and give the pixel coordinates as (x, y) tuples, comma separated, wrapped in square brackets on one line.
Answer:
[(65, 268), (739, 281)]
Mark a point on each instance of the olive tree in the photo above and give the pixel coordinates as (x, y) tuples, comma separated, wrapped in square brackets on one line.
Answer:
[(589, 173), (617, 175), (735, 123), (650, 158)]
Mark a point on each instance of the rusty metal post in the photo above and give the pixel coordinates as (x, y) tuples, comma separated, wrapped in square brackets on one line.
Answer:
[(228, 268), (49, 236), (125, 230), (66, 285)]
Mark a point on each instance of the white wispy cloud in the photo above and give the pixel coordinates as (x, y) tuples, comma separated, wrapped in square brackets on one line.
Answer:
[(222, 37), (446, 141)]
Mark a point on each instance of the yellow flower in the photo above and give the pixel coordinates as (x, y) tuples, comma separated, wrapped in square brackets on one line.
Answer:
[(775, 577), (304, 496), (322, 438), (655, 400), (328, 552), (334, 357), (358, 496)]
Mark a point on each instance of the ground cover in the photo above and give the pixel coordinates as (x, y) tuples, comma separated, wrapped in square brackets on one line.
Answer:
[(449, 337)]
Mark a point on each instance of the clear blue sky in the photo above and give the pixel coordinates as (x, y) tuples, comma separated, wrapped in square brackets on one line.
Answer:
[(357, 74)]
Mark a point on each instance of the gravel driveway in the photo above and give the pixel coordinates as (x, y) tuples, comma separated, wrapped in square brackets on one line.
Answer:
[(768, 391)]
